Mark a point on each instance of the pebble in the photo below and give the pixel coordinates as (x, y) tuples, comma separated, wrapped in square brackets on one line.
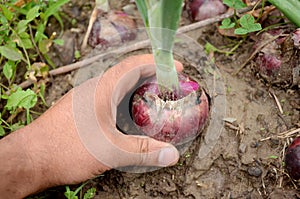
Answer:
[(254, 171), (242, 148)]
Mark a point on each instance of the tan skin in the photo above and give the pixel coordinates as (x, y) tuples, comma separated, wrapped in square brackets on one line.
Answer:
[(50, 151)]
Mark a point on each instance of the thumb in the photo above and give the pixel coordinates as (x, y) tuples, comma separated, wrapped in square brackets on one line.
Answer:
[(146, 151)]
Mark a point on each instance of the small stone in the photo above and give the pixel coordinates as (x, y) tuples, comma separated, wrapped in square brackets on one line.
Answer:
[(242, 148), (254, 171)]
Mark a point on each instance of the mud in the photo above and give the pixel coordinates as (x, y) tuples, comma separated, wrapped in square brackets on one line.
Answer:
[(243, 159)]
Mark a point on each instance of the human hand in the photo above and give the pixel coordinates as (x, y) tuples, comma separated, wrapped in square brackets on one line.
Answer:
[(77, 138)]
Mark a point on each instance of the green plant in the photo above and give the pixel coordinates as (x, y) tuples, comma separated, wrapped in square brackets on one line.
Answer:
[(242, 26), (24, 48), (290, 8), (89, 194), (161, 18)]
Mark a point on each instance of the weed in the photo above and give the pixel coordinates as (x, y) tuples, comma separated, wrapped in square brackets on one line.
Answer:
[(24, 48), (89, 194), (244, 25)]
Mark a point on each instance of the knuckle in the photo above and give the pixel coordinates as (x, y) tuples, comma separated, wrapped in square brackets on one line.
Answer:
[(143, 144)]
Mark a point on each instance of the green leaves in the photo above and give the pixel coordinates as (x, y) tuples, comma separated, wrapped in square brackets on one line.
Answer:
[(9, 69), (227, 24), (248, 25), (21, 99), (90, 193), (10, 53), (6, 12), (236, 4), (289, 8), (22, 31), (32, 13), (161, 18), (53, 8)]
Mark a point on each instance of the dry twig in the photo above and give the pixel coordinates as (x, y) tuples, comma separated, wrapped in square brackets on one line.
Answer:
[(277, 102), (286, 134)]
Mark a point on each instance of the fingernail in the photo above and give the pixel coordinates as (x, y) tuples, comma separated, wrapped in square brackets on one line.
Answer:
[(168, 156)]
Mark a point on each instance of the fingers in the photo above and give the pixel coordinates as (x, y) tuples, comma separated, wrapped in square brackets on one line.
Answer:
[(145, 151)]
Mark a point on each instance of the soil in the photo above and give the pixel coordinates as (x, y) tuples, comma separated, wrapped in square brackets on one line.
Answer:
[(241, 163)]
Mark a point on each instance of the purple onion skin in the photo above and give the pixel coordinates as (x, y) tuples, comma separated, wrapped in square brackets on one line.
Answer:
[(268, 64), (203, 9), (115, 28), (292, 159), (296, 37), (278, 60), (176, 125)]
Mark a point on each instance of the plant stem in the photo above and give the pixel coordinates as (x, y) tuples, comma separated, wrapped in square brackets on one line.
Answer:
[(166, 74), (290, 8)]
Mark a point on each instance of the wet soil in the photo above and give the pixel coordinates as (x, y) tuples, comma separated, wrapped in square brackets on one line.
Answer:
[(241, 162)]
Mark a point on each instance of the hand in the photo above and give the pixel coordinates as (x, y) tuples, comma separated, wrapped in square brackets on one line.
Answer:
[(77, 139)]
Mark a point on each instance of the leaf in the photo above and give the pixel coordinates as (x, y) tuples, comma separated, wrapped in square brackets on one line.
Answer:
[(21, 99), (39, 35), (8, 70), (24, 35), (142, 7), (32, 13), (59, 42), (90, 193), (15, 126), (22, 26), (2, 131), (240, 31), (44, 45), (70, 194), (227, 23), (54, 8), (236, 4), (247, 22), (10, 53), (27, 43), (209, 48), (7, 13), (77, 54)]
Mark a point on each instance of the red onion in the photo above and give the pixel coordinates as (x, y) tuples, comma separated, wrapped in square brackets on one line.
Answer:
[(203, 9), (278, 61), (292, 159), (116, 28), (175, 121)]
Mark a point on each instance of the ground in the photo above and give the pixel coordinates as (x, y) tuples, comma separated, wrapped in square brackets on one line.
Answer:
[(246, 159)]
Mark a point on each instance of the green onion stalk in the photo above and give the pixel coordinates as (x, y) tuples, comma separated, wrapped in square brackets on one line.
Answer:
[(161, 18), (290, 8)]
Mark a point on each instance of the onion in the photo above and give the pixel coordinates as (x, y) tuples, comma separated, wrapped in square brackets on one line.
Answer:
[(292, 159), (202, 9), (116, 28), (278, 61), (176, 120)]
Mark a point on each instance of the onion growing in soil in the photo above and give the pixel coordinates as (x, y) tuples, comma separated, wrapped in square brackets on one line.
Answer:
[(115, 28), (170, 107), (292, 159), (177, 119), (202, 9), (278, 61)]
